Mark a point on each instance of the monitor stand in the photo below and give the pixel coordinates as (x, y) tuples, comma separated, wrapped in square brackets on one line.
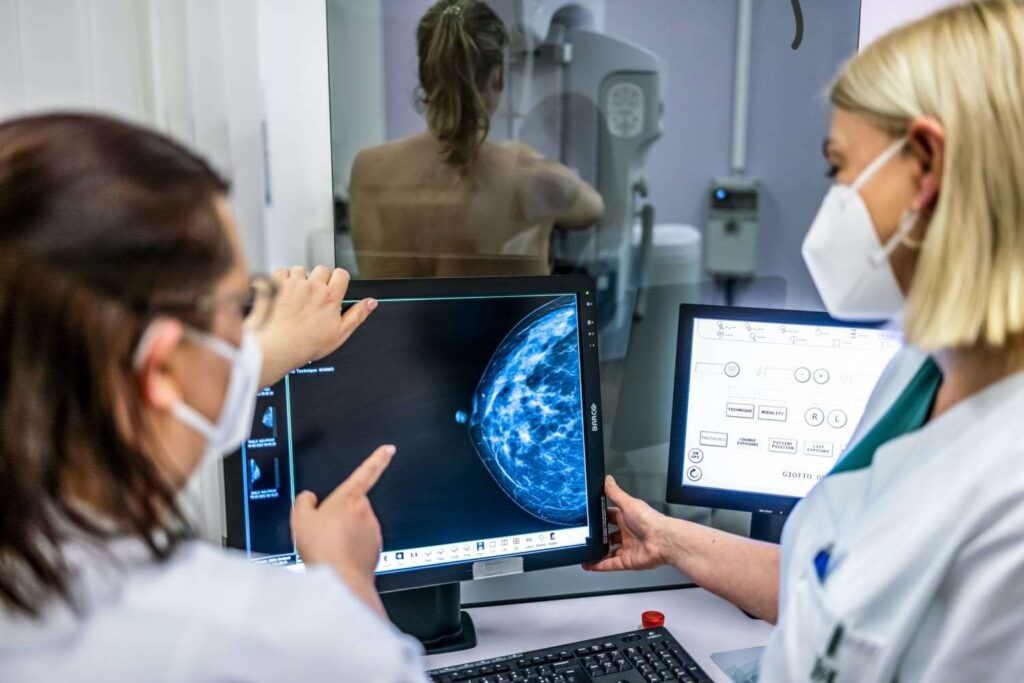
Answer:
[(767, 526), (433, 616)]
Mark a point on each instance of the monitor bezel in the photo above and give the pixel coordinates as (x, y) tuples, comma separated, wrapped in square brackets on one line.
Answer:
[(584, 289), (726, 499)]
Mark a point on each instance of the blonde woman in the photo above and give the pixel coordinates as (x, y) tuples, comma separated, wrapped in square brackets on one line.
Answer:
[(907, 562), (447, 202)]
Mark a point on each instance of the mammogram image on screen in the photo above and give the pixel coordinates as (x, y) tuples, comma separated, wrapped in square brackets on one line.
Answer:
[(482, 397), (526, 415)]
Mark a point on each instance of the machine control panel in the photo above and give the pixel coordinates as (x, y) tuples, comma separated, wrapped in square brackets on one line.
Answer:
[(625, 110)]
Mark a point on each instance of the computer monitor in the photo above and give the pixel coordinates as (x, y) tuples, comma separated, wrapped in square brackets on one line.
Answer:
[(490, 390), (765, 404)]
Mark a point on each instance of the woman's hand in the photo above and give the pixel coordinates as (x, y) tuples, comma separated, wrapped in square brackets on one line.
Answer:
[(343, 531), (742, 571), (638, 543), (306, 322)]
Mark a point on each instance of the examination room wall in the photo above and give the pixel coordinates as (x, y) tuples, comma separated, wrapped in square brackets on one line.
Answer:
[(695, 38)]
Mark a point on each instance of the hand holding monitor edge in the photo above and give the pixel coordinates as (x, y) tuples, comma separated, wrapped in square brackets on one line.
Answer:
[(426, 307)]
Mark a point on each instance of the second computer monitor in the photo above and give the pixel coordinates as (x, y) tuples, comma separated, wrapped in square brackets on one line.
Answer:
[(766, 402)]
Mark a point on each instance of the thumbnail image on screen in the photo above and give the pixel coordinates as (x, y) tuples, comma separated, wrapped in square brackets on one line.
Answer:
[(483, 399)]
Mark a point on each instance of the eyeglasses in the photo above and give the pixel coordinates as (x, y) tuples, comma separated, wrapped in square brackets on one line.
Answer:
[(255, 304)]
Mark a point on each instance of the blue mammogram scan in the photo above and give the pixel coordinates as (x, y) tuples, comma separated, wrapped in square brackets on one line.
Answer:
[(527, 419)]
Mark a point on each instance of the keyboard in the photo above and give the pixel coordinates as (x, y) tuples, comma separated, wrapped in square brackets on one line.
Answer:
[(647, 656)]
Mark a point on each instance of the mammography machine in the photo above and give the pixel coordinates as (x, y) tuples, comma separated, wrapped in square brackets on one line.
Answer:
[(594, 102)]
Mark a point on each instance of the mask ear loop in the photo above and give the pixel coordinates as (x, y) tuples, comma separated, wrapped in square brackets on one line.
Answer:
[(902, 236), (212, 343), (145, 344), (182, 412), (909, 242), (879, 161)]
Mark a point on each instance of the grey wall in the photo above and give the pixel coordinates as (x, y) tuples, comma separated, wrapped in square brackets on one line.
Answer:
[(400, 19), (355, 38), (789, 121), (696, 39)]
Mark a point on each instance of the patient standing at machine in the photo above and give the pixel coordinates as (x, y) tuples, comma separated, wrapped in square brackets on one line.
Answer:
[(446, 202)]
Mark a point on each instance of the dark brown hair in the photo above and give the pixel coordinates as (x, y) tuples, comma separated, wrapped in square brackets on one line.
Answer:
[(460, 43), (102, 224)]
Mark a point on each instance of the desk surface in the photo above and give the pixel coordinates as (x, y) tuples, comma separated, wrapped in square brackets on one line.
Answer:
[(701, 622)]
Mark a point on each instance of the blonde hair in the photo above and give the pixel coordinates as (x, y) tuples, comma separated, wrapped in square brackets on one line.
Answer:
[(460, 44), (963, 66)]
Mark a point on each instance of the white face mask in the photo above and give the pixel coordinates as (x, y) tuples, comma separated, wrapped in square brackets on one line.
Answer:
[(849, 266), (234, 424)]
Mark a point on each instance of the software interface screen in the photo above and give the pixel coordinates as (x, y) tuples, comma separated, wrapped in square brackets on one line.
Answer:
[(771, 406), (482, 397)]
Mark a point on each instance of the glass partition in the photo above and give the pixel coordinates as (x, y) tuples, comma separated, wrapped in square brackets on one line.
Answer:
[(671, 149)]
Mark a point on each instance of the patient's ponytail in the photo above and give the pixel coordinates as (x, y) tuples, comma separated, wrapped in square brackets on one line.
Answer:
[(460, 44)]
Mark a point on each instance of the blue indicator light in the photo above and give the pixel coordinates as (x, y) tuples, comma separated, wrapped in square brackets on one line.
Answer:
[(720, 194)]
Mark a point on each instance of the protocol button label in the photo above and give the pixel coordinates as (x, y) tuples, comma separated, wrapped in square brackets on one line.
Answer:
[(715, 439)]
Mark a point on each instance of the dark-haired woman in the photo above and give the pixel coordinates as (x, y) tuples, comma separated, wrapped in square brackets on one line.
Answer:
[(124, 362), (447, 202)]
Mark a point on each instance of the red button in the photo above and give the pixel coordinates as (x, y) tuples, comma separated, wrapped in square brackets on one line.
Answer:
[(653, 619)]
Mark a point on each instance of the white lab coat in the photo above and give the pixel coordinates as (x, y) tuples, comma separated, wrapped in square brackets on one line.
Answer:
[(206, 615), (926, 576)]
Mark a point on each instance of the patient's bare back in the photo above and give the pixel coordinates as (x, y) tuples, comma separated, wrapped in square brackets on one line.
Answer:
[(413, 215)]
